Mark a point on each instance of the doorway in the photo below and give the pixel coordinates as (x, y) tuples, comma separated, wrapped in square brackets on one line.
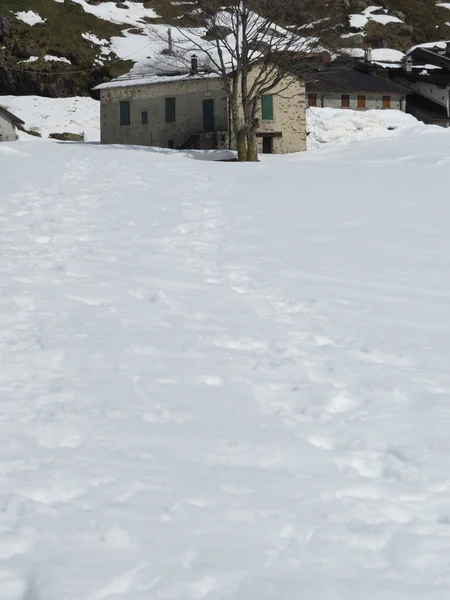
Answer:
[(208, 116), (267, 145)]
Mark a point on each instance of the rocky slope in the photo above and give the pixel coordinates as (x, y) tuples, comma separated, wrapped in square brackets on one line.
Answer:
[(64, 47)]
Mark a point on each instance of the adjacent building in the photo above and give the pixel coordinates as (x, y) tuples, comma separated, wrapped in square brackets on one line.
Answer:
[(349, 87), (425, 72), (191, 110), (8, 125)]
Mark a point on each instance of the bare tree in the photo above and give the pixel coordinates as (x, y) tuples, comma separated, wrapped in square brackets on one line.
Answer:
[(251, 45)]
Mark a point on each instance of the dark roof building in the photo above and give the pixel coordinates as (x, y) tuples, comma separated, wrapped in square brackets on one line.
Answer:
[(351, 81), (425, 71), (349, 87)]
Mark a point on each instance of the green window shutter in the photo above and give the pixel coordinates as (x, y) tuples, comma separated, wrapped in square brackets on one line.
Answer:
[(170, 110), (125, 114), (267, 108), (144, 116)]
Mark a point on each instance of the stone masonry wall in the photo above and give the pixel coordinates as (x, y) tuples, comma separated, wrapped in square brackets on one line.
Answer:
[(151, 98), (289, 105)]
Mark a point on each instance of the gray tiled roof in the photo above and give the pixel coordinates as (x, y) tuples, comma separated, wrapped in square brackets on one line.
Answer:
[(350, 81)]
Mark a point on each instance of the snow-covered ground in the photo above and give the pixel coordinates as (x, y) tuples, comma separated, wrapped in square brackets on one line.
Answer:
[(29, 17), (225, 381), (358, 21), (56, 115)]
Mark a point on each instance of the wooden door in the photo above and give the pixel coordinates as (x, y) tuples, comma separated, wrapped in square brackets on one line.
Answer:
[(267, 144), (386, 102)]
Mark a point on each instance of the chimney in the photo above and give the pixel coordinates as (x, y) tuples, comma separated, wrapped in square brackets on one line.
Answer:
[(408, 64), (169, 36), (368, 54), (194, 64)]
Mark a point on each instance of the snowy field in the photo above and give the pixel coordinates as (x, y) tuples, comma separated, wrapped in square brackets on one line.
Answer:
[(56, 115), (225, 381)]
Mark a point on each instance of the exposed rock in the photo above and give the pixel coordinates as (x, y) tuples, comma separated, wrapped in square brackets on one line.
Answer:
[(399, 14), (5, 26), (67, 137)]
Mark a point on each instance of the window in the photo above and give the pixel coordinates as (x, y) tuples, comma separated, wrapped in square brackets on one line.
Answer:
[(345, 101), (267, 108), (170, 110), (386, 102), (312, 99), (361, 102), (125, 114), (144, 117)]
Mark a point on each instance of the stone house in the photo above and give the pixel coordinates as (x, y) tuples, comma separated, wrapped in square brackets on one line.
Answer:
[(8, 124), (191, 110), (352, 88)]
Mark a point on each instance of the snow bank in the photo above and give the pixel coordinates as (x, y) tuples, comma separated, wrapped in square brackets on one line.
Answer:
[(329, 125), (55, 115)]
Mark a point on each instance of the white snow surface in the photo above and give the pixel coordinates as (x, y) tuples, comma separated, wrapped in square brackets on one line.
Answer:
[(378, 54), (359, 21), (331, 125), (225, 381), (56, 115), (29, 17), (133, 15)]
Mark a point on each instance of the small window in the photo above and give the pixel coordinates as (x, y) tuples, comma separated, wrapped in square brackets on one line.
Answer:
[(170, 110), (144, 117), (345, 101), (267, 108), (386, 102), (125, 114), (312, 99), (361, 102)]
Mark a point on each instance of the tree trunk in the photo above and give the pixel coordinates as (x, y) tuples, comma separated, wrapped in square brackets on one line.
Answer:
[(252, 146), (242, 145)]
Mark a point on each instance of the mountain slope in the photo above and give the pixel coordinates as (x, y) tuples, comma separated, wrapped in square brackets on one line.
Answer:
[(79, 43)]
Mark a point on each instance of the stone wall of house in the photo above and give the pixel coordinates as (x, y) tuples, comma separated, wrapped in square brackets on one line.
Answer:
[(287, 129), (289, 116), (7, 129), (373, 101), (189, 97)]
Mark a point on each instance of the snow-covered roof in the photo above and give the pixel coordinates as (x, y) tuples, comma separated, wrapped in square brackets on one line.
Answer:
[(442, 45), (152, 79), (13, 118), (378, 54)]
